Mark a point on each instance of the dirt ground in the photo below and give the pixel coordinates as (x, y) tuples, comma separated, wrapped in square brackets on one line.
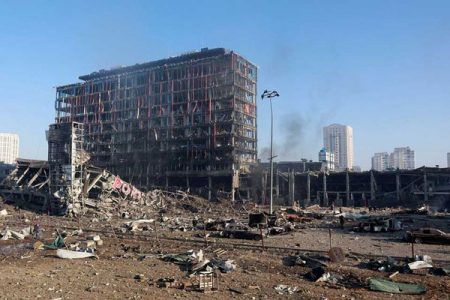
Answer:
[(39, 274)]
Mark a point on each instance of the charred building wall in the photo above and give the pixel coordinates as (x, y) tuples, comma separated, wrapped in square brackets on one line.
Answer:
[(188, 120)]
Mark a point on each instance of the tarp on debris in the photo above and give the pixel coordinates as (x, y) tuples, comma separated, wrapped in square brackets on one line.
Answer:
[(57, 243), (383, 285)]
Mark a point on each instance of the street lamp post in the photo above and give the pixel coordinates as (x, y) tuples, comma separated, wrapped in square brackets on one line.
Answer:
[(270, 95)]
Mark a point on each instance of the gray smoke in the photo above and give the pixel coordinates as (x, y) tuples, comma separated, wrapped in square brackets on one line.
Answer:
[(291, 131), (264, 154), (294, 126)]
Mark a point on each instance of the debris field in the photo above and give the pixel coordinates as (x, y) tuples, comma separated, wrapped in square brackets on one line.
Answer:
[(188, 247)]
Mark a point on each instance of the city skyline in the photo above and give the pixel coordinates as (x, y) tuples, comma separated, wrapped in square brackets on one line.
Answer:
[(333, 63)]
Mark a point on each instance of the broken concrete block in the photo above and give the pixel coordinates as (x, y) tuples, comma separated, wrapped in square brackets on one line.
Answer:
[(94, 238), (3, 213), (17, 235), (6, 235), (87, 244)]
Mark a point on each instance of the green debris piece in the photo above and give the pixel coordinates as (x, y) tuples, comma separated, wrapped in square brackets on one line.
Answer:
[(388, 286), (56, 244), (183, 258)]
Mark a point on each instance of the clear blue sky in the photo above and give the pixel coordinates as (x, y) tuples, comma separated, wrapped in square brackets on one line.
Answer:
[(382, 67)]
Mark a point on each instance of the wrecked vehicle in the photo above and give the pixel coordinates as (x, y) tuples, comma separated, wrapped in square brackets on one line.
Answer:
[(379, 225), (427, 235), (241, 234), (257, 220)]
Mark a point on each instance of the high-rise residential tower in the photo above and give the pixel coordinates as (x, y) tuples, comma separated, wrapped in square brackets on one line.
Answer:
[(338, 139), (380, 161), (402, 158), (9, 148)]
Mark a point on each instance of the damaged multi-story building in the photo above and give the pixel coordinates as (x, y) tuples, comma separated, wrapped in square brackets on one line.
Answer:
[(187, 121)]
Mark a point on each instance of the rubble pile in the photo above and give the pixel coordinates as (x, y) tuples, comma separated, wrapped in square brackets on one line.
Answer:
[(97, 193)]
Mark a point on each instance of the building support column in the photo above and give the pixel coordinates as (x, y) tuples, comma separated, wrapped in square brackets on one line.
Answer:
[(233, 185), (291, 188), (278, 186), (372, 188), (308, 190), (425, 188), (325, 193), (347, 188), (209, 188), (264, 188), (188, 187), (397, 184)]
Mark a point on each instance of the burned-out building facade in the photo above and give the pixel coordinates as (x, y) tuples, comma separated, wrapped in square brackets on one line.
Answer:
[(188, 120)]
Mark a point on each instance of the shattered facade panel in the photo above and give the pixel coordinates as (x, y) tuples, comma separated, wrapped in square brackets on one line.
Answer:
[(66, 158), (189, 119)]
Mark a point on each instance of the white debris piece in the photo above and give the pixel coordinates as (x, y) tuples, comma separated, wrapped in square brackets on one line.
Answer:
[(134, 225), (69, 254), (285, 289), (420, 264), (6, 235), (3, 213), (27, 231), (198, 255), (17, 235), (228, 266)]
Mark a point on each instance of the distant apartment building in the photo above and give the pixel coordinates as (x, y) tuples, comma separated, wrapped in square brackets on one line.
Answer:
[(9, 147), (357, 169), (327, 160), (402, 158), (448, 160), (338, 139), (380, 161)]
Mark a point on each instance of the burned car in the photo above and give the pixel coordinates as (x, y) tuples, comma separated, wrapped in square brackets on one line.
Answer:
[(427, 235), (241, 234)]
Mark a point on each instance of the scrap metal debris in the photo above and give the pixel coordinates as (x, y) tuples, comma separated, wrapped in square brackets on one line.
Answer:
[(286, 289), (18, 235)]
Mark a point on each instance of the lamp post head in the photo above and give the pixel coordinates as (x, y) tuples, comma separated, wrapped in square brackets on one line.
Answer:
[(269, 94)]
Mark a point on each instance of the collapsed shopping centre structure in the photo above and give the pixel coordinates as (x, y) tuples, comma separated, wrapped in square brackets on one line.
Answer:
[(188, 120)]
